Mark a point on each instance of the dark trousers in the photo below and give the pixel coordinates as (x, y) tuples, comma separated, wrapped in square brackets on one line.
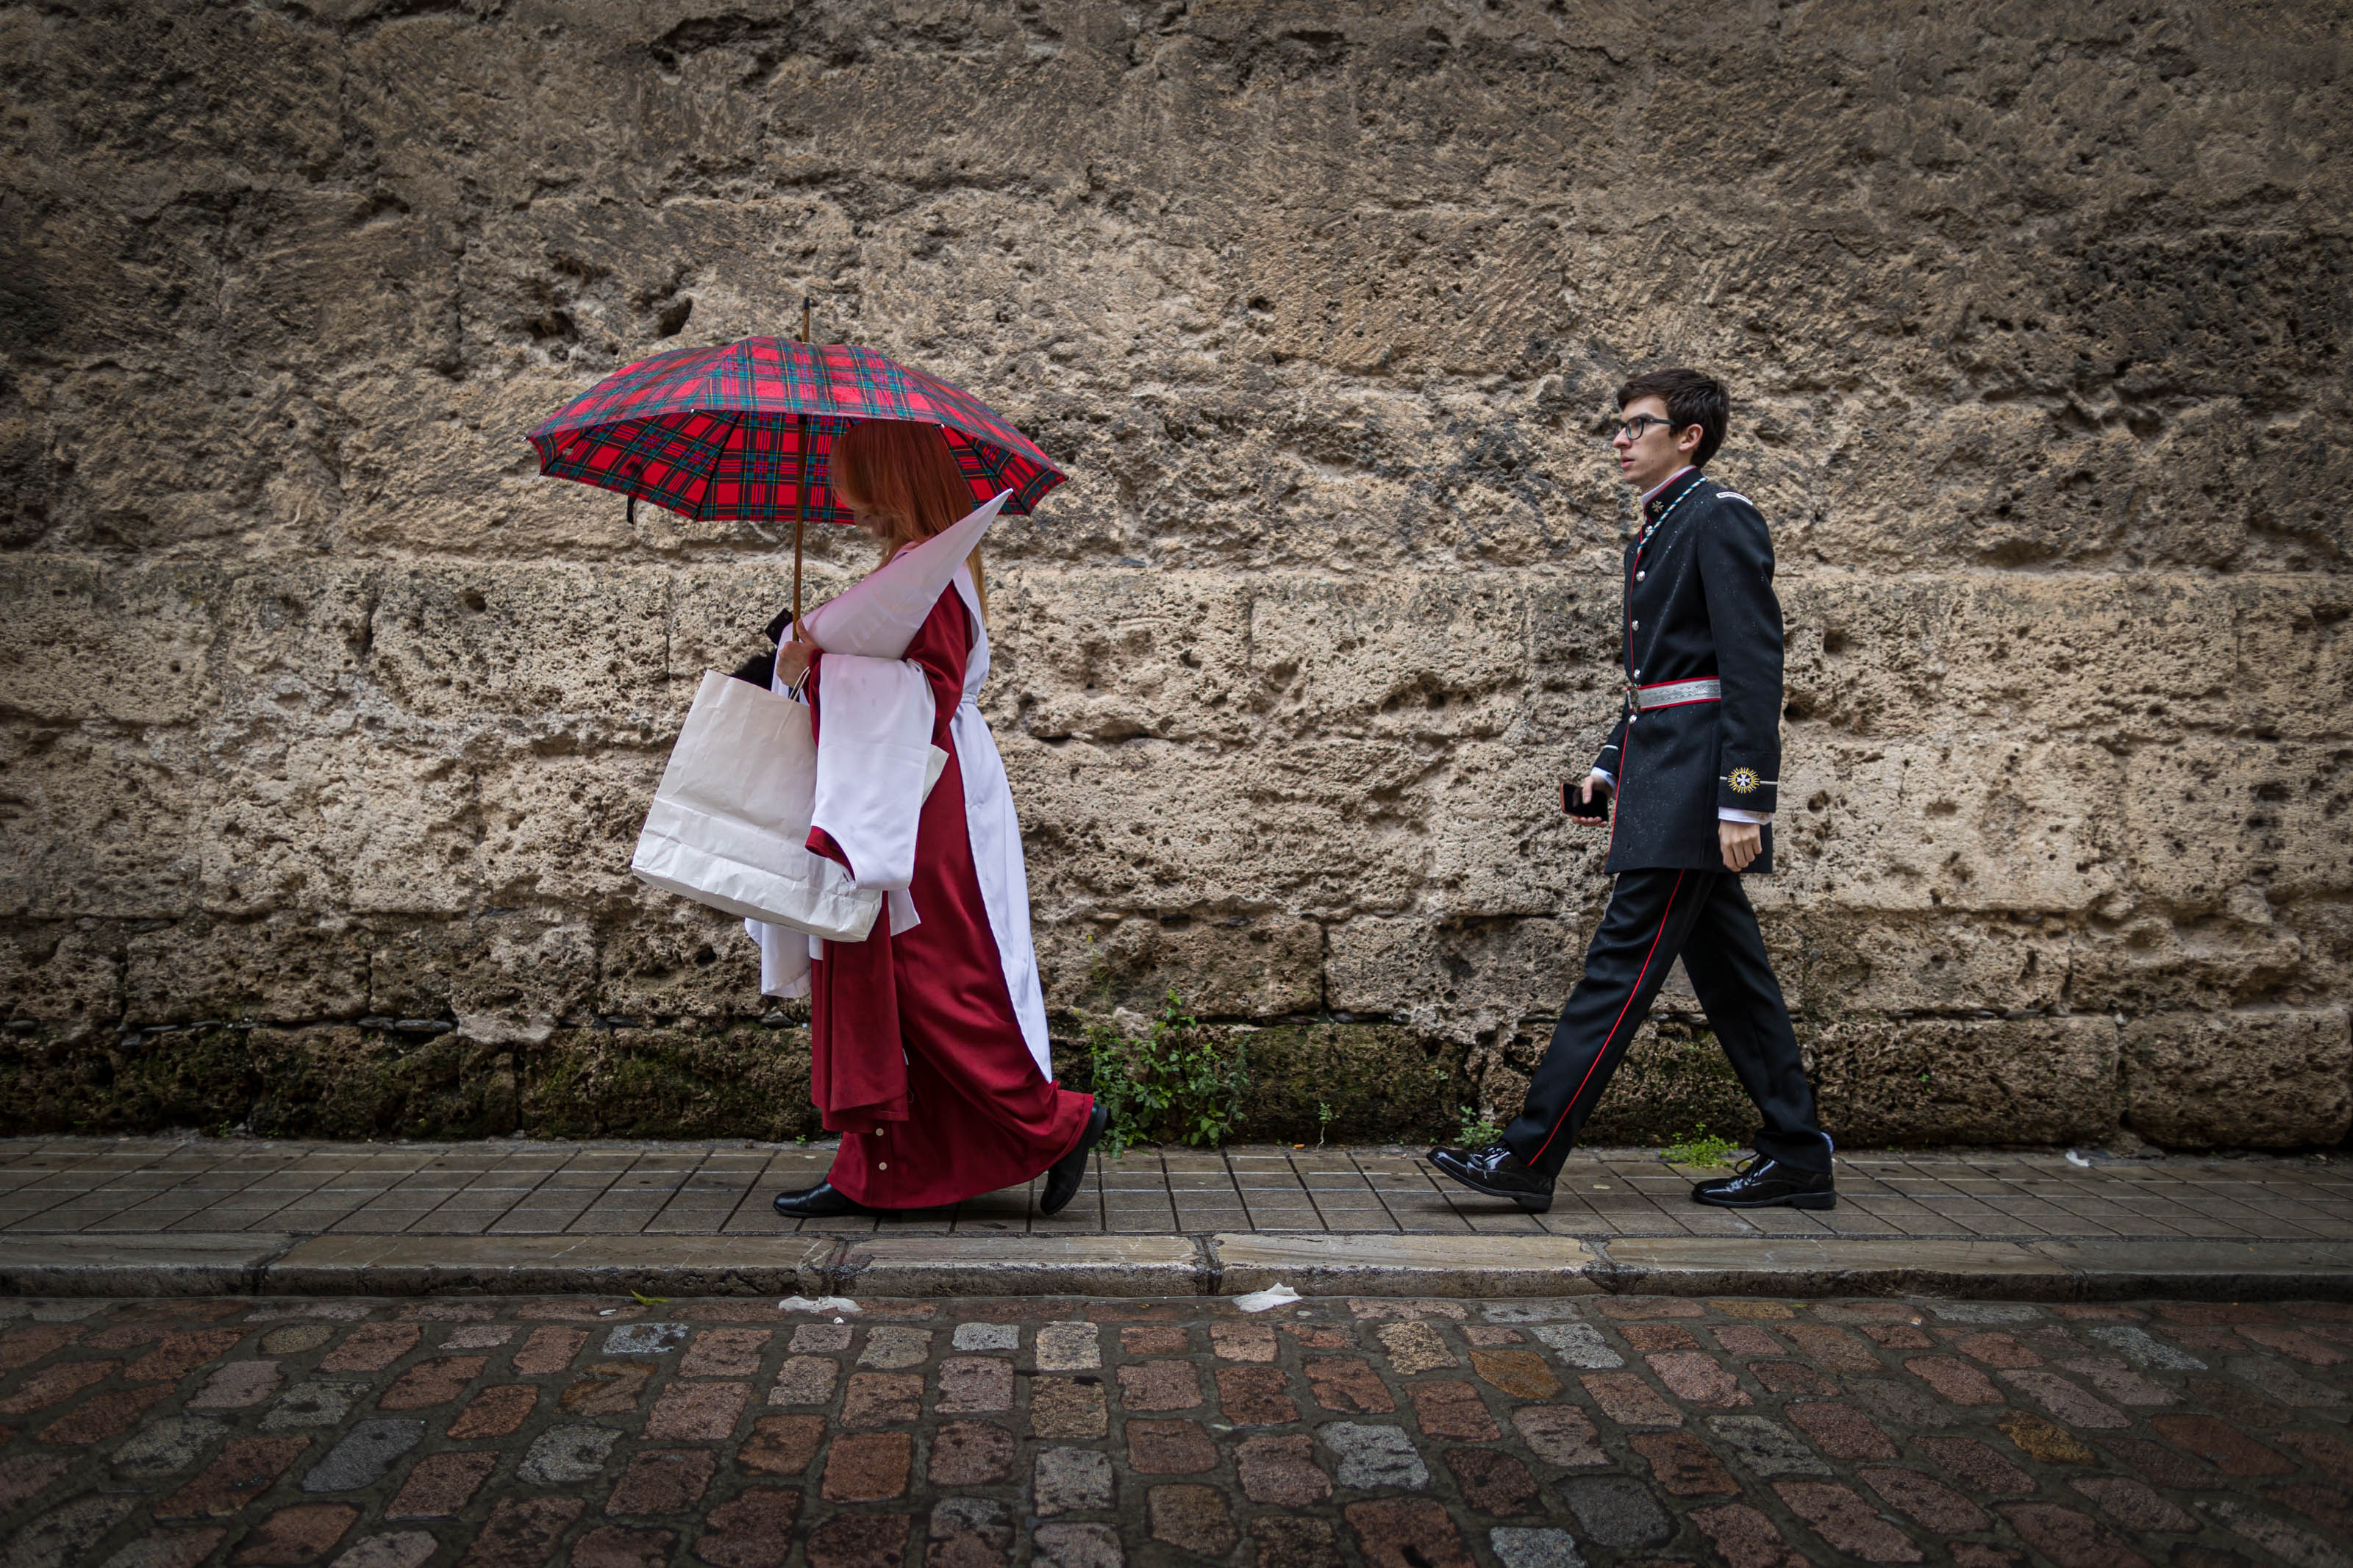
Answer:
[(1705, 917)]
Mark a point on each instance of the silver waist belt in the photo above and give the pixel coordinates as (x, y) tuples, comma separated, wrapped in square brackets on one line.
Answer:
[(1708, 691)]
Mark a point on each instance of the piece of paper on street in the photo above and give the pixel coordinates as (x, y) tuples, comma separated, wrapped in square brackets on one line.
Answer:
[(1273, 1296)]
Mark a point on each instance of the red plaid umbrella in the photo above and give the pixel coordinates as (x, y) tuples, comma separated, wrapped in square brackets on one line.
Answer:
[(745, 430)]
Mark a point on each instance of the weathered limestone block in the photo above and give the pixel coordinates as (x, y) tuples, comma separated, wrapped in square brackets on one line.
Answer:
[(83, 1081), (2295, 664), (2023, 1080), (1103, 655), (350, 1082), (299, 632), (2150, 963), (554, 825), (679, 960), (1225, 966), (284, 969), (1940, 964), (1456, 981), (355, 820), (1411, 658), (100, 823), (1976, 825), (1573, 652), (747, 1082), (1149, 826), (2240, 1080), (295, 296), (2213, 822), (519, 971), (334, 1083), (84, 642), (1380, 1082), (536, 641), (1498, 843), (2128, 656), (57, 972)]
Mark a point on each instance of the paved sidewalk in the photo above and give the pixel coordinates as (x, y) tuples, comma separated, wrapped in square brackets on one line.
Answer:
[(604, 1433), (221, 1213)]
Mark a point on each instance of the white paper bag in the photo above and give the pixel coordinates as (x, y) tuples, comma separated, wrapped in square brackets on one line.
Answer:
[(730, 822)]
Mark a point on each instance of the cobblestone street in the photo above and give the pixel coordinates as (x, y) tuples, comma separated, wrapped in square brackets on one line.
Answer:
[(516, 1432)]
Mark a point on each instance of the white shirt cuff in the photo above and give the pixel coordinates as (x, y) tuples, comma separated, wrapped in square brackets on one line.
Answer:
[(1734, 813), (1606, 778)]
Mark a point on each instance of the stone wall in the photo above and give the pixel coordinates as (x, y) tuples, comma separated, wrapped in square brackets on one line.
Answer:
[(327, 726)]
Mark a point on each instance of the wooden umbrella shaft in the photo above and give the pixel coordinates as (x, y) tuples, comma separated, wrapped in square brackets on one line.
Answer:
[(800, 477), (800, 480)]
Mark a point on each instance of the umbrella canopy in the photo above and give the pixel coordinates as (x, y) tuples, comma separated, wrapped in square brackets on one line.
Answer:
[(745, 429)]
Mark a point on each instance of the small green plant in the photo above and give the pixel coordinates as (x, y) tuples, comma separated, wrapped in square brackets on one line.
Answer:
[(1173, 1082), (1699, 1148), (1323, 1120), (1474, 1131)]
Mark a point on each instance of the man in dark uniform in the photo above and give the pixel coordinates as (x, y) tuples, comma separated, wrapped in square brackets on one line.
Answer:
[(1693, 765)]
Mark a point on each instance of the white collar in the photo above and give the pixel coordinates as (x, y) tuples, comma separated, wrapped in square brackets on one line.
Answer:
[(1662, 484)]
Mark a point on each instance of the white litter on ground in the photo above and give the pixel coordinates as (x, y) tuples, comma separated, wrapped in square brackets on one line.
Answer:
[(2075, 1159), (822, 1304), (1259, 1300)]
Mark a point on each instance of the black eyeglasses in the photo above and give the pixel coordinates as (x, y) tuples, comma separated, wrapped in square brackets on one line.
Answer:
[(1637, 427)]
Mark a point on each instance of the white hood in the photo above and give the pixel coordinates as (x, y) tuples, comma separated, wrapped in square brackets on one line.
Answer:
[(880, 616)]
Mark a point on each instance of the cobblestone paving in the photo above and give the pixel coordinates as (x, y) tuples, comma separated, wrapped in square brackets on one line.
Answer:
[(1386, 1434), (515, 1188)]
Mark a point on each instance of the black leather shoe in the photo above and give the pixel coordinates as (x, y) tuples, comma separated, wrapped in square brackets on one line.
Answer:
[(1065, 1176), (1496, 1172), (1763, 1183), (823, 1201)]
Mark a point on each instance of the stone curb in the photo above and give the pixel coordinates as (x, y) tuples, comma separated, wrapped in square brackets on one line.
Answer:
[(115, 1263)]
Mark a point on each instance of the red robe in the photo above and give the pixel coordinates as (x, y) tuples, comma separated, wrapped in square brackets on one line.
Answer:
[(918, 1060)]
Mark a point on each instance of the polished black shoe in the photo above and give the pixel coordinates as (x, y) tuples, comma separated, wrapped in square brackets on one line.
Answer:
[(1065, 1176), (1765, 1183), (1496, 1172), (823, 1201)]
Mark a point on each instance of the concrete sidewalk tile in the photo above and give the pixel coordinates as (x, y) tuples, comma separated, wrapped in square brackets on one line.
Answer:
[(1382, 1264), (1021, 1266)]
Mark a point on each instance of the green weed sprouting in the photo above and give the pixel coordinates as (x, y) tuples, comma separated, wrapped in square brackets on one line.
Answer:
[(1699, 1148), (1173, 1083), (1474, 1131)]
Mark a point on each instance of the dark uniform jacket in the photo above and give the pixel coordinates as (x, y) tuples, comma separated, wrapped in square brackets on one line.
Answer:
[(1699, 601)]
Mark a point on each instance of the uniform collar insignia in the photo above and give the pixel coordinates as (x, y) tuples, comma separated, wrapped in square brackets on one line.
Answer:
[(1656, 507)]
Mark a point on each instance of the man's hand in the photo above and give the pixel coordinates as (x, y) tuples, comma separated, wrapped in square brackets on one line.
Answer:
[(793, 662), (1585, 794), (1742, 842)]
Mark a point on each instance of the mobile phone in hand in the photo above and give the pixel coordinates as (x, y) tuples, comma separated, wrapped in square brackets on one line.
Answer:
[(1596, 810)]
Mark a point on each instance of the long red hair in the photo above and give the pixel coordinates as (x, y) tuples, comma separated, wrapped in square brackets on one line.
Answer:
[(908, 473)]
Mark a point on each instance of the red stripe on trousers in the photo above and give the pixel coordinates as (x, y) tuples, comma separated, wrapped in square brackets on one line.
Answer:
[(1656, 937)]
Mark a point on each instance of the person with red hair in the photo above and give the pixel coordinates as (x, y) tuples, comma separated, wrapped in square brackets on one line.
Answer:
[(929, 1052)]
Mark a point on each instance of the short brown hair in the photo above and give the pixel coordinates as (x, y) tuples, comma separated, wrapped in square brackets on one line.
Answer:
[(1692, 398)]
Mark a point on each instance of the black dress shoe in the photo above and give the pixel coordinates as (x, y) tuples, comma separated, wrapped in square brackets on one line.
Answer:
[(823, 1201), (1766, 1184), (1496, 1172), (1065, 1176)]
